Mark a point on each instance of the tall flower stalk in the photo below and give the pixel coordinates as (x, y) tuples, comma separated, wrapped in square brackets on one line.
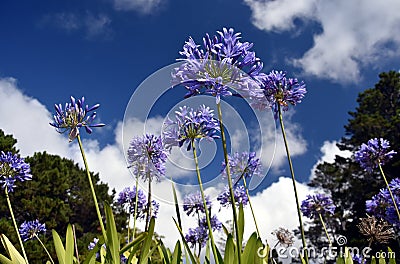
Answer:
[(188, 127), (280, 92), (69, 119), (147, 157), (374, 154), (15, 225), (303, 238), (242, 166), (13, 169), (229, 177), (96, 204)]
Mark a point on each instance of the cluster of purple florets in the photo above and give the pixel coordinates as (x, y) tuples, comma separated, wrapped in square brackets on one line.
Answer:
[(194, 206), (381, 205), (242, 165), (127, 199), (30, 229), (147, 157), (12, 169), (376, 152), (74, 116), (239, 192), (317, 204), (190, 125)]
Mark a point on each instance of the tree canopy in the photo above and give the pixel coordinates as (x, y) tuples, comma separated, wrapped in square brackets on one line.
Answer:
[(377, 116)]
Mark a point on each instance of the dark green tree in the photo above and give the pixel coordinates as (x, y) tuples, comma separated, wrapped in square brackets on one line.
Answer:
[(57, 195), (377, 115)]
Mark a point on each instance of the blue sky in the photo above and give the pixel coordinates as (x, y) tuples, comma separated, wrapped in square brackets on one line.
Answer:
[(104, 49)]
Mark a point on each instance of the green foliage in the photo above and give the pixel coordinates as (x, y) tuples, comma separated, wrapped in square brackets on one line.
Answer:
[(377, 115)]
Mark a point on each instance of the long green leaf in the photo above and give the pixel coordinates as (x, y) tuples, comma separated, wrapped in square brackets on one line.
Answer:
[(69, 246), (178, 214), (59, 247), (145, 251), (5, 260), (91, 257), (112, 242), (250, 249), (15, 256), (177, 256), (392, 259), (138, 239), (192, 258), (229, 256)]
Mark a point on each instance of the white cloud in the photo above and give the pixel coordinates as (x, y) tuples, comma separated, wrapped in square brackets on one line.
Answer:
[(93, 25), (329, 151), (354, 34), (142, 6), (272, 145)]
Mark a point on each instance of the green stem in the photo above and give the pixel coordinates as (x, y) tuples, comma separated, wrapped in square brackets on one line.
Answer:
[(251, 206), (135, 210), (148, 204), (15, 225), (44, 247), (326, 231), (230, 185), (390, 191), (103, 230), (196, 161), (303, 239)]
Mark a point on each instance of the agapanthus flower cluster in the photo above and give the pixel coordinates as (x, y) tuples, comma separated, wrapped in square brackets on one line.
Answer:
[(222, 63), (243, 165), (12, 169), (127, 199), (239, 193), (358, 259), (381, 205), (147, 157), (190, 125), (29, 230), (280, 92), (199, 235), (74, 116), (317, 204), (375, 152), (193, 204)]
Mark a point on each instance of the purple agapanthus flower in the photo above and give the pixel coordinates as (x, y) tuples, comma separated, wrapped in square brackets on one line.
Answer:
[(243, 165), (280, 92), (375, 152), (147, 157), (30, 229), (222, 63), (239, 193), (317, 204), (198, 235), (127, 199), (193, 203), (74, 116), (190, 125), (216, 225), (12, 169), (358, 259), (381, 205)]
